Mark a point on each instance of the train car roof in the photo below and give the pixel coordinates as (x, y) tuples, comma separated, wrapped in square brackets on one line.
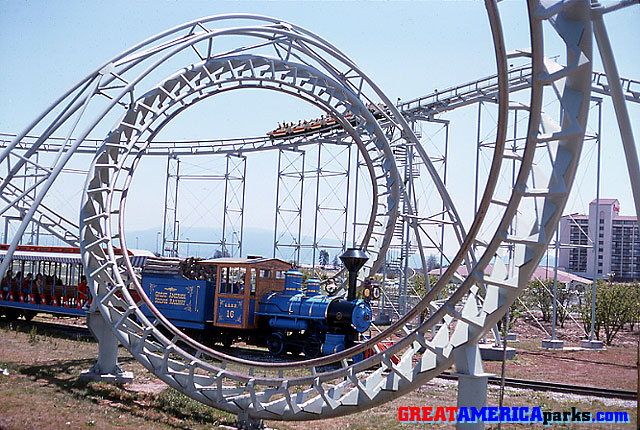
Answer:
[(65, 254), (237, 260)]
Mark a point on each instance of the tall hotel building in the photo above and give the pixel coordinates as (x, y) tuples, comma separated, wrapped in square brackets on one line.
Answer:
[(617, 243)]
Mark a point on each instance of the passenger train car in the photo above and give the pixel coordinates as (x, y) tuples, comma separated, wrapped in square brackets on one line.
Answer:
[(258, 300), (47, 279)]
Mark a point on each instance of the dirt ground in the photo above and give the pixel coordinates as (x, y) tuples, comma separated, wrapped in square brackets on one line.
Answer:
[(615, 367), (40, 388)]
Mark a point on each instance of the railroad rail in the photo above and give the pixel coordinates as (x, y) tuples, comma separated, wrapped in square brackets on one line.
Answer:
[(556, 387), (74, 331)]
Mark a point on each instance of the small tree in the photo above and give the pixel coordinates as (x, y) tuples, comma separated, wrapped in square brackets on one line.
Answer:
[(616, 305), (636, 298), (516, 311), (323, 259), (539, 294), (584, 307)]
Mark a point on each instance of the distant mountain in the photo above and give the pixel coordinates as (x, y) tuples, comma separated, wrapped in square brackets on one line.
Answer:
[(256, 241)]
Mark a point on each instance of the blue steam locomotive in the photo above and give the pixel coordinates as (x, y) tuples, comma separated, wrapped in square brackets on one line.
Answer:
[(257, 300)]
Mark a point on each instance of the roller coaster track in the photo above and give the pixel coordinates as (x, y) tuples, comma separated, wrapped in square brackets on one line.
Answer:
[(81, 332), (431, 104), (283, 57), (520, 78), (44, 217), (426, 106)]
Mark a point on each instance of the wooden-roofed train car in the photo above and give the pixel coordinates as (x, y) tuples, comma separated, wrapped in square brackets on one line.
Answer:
[(219, 297), (242, 283)]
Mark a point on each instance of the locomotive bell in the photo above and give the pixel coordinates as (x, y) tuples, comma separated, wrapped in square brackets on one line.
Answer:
[(353, 260)]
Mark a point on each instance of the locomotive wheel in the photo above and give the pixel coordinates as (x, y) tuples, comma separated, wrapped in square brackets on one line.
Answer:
[(275, 343), (227, 341), (295, 351), (311, 347), (11, 314), (294, 348)]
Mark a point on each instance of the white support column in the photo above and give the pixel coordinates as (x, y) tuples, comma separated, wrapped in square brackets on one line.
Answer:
[(472, 382), (617, 96), (245, 422), (107, 368)]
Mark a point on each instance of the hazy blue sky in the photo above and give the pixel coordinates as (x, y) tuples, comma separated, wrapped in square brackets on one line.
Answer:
[(407, 48)]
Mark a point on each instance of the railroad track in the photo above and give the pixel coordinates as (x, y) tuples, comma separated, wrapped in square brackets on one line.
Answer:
[(75, 331), (80, 331), (558, 387)]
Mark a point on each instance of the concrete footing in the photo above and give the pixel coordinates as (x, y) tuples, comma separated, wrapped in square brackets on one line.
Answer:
[(495, 353), (553, 344), (122, 377), (246, 422), (592, 344)]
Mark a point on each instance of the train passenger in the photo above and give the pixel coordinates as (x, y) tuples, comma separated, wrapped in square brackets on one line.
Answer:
[(16, 284), (238, 287), (82, 288), (38, 286), (59, 289), (27, 283), (48, 288), (6, 282)]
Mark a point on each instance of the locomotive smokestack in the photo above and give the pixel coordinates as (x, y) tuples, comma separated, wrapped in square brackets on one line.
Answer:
[(353, 260)]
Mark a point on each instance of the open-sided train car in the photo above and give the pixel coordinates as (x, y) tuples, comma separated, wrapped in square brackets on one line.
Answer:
[(323, 124), (48, 279)]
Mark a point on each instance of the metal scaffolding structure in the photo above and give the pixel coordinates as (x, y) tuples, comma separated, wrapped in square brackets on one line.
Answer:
[(234, 199), (232, 206), (287, 230), (429, 108), (171, 225), (332, 176)]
